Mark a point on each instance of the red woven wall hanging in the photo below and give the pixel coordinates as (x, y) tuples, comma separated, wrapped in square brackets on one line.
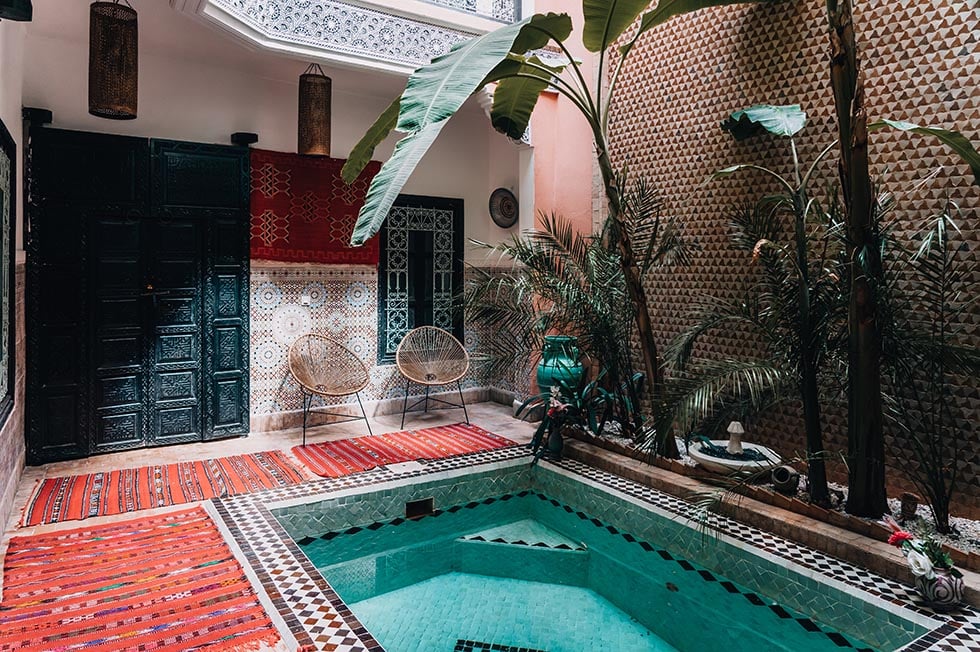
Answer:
[(303, 212)]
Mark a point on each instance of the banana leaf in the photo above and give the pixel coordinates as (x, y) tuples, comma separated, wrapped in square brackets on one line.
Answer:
[(515, 97), (952, 139), (361, 155), (784, 120), (606, 20), (434, 93), (390, 180), (667, 9)]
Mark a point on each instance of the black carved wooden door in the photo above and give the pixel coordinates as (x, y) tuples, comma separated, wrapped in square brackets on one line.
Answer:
[(209, 185), (138, 282), (116, 333), (172, 295)]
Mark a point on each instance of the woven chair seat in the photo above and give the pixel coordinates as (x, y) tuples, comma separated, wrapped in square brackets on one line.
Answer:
[(325, 367), (431, 356)]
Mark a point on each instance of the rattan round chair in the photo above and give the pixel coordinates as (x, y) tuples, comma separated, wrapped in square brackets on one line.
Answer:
[(430, 357), (328, 369)]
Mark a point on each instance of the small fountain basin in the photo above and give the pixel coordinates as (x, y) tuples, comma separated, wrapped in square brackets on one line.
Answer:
[(727, 466)]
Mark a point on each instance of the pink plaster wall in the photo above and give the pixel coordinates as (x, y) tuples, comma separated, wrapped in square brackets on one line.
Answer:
[(563, 147)]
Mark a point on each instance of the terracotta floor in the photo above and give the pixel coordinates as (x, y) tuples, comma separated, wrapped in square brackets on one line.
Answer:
[(491, 416)]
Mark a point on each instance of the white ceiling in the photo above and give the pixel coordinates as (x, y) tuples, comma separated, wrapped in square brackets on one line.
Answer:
[(167, 32)]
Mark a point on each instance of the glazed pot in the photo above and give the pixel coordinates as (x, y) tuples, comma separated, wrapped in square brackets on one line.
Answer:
[(556, 443), (785, 479), (943, 593), (560, 363)]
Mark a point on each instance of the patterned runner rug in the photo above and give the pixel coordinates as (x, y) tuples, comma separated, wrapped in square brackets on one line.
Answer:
[(165, 583), (77, 497), (333, 459)]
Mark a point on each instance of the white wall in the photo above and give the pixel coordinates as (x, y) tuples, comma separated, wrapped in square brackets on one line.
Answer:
[(187, 99)]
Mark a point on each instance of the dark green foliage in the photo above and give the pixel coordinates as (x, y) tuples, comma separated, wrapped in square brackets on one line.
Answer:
[(588, 407), (926, 351), (563, 282)]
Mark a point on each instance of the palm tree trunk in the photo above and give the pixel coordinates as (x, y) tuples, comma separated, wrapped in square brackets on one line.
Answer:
[(666, 445), (866, 446), (809, 386)]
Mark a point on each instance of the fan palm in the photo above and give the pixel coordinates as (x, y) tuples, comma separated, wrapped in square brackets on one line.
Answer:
[(564, 281)]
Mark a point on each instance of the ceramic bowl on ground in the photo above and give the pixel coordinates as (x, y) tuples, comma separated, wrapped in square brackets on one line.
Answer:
[(726, 466)]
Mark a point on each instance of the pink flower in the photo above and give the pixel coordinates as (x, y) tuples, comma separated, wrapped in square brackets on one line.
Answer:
[(898, 538)]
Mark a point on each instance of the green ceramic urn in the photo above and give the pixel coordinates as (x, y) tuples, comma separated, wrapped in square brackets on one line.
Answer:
[(560, 363)]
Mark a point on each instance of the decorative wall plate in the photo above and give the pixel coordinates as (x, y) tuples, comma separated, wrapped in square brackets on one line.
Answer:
[(504, 208)]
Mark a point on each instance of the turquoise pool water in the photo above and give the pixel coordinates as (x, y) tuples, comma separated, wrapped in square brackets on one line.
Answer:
[(435, 614), (517, 560)]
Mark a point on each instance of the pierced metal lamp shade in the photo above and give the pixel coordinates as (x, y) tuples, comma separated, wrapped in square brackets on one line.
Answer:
[(314, 112), (113, 61), (16, 10)]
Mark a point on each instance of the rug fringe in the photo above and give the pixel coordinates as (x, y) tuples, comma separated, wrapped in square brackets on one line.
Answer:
[(30, 501), (269, 641)]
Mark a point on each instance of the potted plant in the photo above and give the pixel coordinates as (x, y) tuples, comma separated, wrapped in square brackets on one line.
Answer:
[(936, 579), (585, 406)]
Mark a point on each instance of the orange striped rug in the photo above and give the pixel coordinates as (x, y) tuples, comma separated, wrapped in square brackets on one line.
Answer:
[(77, 497), (333, 459), (165, 583)]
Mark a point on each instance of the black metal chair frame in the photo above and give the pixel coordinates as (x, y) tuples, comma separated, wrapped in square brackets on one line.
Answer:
[(308, 410), (446, 405)]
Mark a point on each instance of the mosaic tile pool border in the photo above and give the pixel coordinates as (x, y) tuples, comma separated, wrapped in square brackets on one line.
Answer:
[(318, 618), (477, 646)]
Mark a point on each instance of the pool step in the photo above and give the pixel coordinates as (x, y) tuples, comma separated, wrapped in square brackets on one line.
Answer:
[(535, 562), (527, 532)]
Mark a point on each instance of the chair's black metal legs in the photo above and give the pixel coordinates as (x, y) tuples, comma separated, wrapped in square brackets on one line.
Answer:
[(426, 399), (363, 413), (408, 386), (307, 399), (462, 401), (344, 417)]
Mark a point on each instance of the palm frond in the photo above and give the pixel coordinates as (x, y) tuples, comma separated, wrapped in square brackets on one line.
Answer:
[(755, 383), (711, 313)]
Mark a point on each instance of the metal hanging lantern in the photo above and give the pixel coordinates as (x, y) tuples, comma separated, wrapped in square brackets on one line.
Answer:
[(16, 10), (314, 112), (113, 61)]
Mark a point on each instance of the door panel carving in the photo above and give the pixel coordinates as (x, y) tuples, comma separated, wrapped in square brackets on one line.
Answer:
[(137, 281)]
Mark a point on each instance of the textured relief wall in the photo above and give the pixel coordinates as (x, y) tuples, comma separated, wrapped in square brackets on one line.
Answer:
[(922, 63), (341, 302)]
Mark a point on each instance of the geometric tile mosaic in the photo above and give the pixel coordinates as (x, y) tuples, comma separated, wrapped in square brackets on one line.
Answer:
[(341, 302), (317, 617), (921, 63)]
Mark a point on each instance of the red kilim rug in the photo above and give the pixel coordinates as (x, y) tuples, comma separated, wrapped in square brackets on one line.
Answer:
[(76, 497), (166, 583), (333, 459)]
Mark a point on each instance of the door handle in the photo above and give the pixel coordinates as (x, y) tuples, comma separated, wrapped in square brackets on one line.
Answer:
[(150, 292)]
